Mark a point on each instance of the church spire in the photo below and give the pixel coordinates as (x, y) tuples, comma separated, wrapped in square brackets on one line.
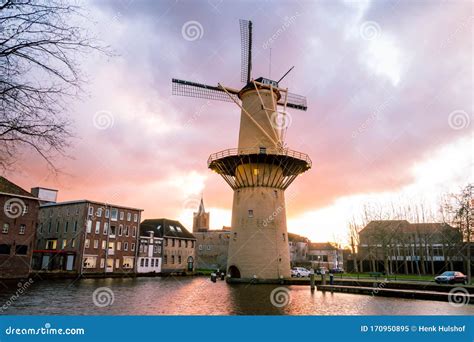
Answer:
[(201, 207)]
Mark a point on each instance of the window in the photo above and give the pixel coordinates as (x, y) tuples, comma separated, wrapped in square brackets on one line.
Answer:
[(146, 262), (89, 226), (132, 247), (250, 213), (127, 262), (125, 246), (49, 227), (22, 229), (97, 227), (106, 228), (142, 261), (66, 226), (112, 231), (57, 227), (134, 231), (91, 211), (145, 249), (165, 259), (152, 262), (102, 262), (141, 247), (166, 242), (179, 259), (172, 242), (284, 238), (73, 243), (186, 244), (129, 216), (172, 259), (127, 228), (5, 228), (119, 246), (75, 226), (155, 248), (120, 229), (5, 249), (96, 244), (179, 243), (51, 244), (64, 244), (107, 213), (90, 262), (117, 263), (99, 212), (179, 229), (113, 214), (21, 249), (208, 247), (104, 244), (121, 215), (200, 247), (86, 243), (135, 217)]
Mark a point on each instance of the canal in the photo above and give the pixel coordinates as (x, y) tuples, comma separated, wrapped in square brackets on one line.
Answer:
[(199, 296)]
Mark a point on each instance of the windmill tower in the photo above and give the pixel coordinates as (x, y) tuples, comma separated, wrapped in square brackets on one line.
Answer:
[(259, 170)]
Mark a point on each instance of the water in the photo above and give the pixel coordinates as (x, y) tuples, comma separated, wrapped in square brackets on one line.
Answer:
[(199, 296)]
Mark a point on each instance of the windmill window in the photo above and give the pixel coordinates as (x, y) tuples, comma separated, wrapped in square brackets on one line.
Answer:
[(250, 213)]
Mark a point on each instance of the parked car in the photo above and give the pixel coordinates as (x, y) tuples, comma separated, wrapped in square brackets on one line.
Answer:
[(451, 277), (321, 269), (336, 270), (299, 272)]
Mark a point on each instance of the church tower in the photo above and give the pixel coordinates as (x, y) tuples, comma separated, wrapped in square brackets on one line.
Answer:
[(201, 219)]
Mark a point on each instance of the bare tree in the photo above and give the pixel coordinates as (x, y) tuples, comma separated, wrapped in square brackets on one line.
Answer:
[(39, 73), (460, 208)]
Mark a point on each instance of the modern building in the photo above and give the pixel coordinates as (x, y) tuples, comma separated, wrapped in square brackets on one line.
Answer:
[(201, 219), (325, 254), (18, 220), (298, 249), (87, 237), (178, 244), (150, 252), (398, 246)]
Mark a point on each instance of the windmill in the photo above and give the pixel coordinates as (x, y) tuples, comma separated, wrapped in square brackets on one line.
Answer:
[(259, 170)]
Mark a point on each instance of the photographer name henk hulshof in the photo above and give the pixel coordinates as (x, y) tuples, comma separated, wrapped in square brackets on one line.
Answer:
[(442, 328)]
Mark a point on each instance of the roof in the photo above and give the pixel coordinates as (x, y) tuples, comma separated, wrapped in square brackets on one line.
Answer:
[(55, 204), (297, 238), (322, 246), (201, 209), (164, 227), (10, 188), (405, 227)]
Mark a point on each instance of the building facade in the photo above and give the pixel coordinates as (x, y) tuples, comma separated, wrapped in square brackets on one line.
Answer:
[(87, 237), (178, 244), (150, 252), (398, 246), (212, 249), (325, 254), (298, 246), (18, 220)]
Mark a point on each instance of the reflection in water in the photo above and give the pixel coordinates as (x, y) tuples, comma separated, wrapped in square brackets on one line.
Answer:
[(199, 296)]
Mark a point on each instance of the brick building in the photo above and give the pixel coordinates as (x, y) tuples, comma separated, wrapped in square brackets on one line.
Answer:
[(87, 237), (178, 244), (398, 246), (212, 249), (325, 254), (298, 249), (201, 219), (18, 221)]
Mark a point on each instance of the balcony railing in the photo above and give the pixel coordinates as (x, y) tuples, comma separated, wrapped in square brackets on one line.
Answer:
[(259, 150)]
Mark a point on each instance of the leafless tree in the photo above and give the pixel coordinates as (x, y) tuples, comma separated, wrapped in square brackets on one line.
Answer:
[(40, 45)]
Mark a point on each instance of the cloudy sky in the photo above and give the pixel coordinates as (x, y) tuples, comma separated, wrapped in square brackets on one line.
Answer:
[(388, 83)]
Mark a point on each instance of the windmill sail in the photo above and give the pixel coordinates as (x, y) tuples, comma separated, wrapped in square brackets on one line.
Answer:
[(203, 91), (246, 49)]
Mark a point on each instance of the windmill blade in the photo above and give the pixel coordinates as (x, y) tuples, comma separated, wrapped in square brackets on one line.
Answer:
[(246, 50), (203, 91), (294, 101)]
